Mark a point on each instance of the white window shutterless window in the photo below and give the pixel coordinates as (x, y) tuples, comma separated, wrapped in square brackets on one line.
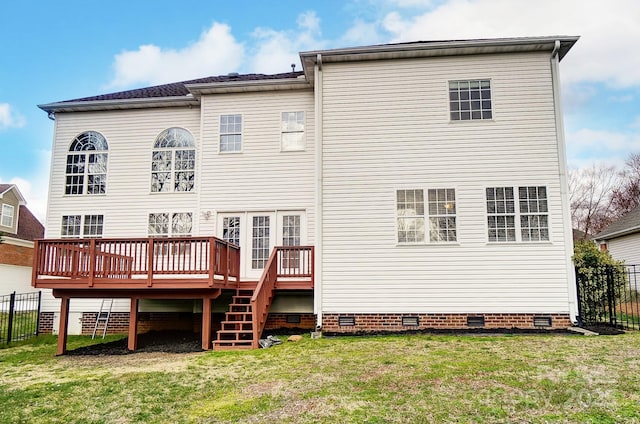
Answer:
[(6, 219), (75, 226), (173, 161), (230, 133), (292, 127), (86, 167)]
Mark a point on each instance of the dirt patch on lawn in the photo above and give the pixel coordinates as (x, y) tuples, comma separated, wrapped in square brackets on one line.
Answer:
[(153, 341)]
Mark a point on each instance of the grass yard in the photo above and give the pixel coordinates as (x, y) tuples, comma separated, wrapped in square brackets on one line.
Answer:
[(392, 379)]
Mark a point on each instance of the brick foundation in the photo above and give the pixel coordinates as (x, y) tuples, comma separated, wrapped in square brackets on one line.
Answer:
[(45, 325), (11, 254), (372, 323), (279, 321)]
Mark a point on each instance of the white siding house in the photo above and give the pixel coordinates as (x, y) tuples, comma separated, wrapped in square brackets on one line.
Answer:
[(622, 238), (429, 176)]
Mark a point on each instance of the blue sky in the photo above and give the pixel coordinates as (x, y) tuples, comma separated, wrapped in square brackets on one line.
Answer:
[(51, 51)]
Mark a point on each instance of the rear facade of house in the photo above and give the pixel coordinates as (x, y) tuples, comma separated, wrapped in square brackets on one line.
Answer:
[(425, 184)]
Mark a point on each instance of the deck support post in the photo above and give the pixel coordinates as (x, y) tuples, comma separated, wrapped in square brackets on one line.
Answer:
[(133, 324), (206, 323), (63, 326)]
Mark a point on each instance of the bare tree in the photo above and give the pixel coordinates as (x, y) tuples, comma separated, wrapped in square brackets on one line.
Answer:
[(627, 196), (590, 195)]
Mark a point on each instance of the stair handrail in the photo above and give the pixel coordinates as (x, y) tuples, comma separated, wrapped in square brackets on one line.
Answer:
[(262, 296)]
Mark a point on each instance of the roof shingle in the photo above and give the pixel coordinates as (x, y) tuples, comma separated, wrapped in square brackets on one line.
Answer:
[(629, 223), (177, 89)]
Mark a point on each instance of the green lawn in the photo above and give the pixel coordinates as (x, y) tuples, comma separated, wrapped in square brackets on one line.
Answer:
[(401, 379)]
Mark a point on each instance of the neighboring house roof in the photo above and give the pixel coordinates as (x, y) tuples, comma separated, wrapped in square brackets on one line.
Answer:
[(186, 93), (29, 228), (628, 224), (6, 187)]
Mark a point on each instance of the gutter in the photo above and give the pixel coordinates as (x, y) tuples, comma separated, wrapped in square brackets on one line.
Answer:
[(139, 103), (317, 303), (564, 185)]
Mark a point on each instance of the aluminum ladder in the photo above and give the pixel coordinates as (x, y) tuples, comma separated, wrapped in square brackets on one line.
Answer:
[(102, 319)]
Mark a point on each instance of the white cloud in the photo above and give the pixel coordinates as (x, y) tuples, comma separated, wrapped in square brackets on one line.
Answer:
[(588, 145), (215, 52), (607, 51), (9, 118), (277, 50)]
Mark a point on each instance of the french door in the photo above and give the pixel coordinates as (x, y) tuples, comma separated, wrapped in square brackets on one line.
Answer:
[(257, 233)]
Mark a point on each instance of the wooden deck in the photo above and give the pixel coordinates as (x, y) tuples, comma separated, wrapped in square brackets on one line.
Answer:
[(164, 268)]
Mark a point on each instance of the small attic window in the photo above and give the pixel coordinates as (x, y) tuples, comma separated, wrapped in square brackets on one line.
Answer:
[(6, 217)]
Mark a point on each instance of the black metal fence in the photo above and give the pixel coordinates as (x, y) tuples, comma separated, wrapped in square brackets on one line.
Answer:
[(609, 295), (19, 316)]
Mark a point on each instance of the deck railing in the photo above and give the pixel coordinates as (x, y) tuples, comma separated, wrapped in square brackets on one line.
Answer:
[(284, 262), (112, 258)]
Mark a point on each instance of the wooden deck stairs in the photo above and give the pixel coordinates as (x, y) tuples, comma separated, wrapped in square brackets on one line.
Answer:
[(237, 328)]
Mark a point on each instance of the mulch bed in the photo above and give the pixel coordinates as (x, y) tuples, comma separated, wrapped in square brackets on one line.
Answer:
[(153, 341), (604, 330)]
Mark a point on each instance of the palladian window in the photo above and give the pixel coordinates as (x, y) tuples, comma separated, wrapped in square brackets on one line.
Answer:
[(173, 161), (86, 169)]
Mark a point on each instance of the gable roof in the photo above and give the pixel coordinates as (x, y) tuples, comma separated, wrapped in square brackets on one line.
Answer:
[(628, 224), (4, 188)]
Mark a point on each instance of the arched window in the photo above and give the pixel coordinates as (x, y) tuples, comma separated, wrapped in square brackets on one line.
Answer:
[(86, 171), (173, 161)]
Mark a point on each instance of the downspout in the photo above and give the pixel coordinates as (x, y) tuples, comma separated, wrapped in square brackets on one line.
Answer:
[(564, 186), (317, 305)]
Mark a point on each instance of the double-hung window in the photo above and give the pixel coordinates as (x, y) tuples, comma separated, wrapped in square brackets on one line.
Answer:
[(6, 218), (230, 133), (442, 214), (517, 215), (292, 131), (470, 100)]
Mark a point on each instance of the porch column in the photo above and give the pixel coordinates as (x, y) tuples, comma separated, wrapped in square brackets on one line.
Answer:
[(206, 323), (133, 324), (62, 329)]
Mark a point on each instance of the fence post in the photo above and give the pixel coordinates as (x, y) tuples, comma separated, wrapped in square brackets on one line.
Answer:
[(38, 316), (12, 304), (610, 295), (578, 295)]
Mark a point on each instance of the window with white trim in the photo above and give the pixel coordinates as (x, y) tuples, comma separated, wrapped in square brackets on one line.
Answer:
[(90, 226), (534, 219), (173, 161), (410, 216), (442, 214), (231, 229), (6, 218), (260, 242), (292, 128), (175, 224), (86, 168), (503, 209), (470, 100), (230, 133)]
